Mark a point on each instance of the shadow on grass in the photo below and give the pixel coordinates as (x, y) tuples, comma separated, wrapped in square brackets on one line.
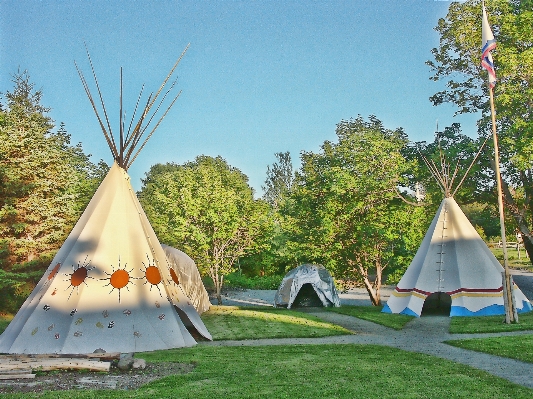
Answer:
[(490, 324), (239, 323), (373, 314), (515, 347)]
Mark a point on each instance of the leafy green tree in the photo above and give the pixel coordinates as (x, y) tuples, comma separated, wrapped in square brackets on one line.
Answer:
[(279, 180), (347, 210), (42, 176), (207, 209), (457, 62), (276, 257)]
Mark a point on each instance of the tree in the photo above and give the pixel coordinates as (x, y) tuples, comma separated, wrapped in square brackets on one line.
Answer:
[(206, 208), (347, 212), (457, 62), (275, 257), (45, 185), (279, 180)]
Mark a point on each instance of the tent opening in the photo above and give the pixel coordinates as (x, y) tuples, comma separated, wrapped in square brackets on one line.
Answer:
[(437, 304), (307, 298)]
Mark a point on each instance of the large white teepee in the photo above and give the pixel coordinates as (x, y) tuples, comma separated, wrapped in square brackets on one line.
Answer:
[(453, 259), (110, 285)]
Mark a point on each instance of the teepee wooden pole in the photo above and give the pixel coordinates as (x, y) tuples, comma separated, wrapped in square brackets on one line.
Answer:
[(508, 289)]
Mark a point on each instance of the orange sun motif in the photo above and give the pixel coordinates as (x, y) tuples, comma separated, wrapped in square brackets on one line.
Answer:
[(119, 279), (78, 276), (152, 275)]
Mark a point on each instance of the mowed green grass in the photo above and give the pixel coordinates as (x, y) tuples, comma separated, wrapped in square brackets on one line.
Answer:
[(237, 323), (310, 371), (489, 324), (373, 314), (519, 347), (515, 260)]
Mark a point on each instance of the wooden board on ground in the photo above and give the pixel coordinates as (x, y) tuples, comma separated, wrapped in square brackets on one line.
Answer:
[(16, 362)]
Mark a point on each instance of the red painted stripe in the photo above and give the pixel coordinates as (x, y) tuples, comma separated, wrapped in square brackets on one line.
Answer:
[(450, 292)]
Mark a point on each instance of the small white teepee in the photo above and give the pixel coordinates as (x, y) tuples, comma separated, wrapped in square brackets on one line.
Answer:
[(110, 285), (453, 260), (185, 271)]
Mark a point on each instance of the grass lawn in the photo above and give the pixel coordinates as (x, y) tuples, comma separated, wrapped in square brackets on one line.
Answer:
[(237, 323), (512, 256), (489, 324), (311, 371), (373, 314), (518, 347)]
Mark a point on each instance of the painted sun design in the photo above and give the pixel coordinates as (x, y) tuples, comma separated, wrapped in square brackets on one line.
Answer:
[(119, 279), (152, 275), (79, 275)]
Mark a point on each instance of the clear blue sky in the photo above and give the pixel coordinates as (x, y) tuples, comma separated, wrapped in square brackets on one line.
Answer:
[(260, 77)]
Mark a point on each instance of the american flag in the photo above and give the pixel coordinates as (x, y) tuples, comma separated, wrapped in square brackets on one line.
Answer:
[(488, 44)]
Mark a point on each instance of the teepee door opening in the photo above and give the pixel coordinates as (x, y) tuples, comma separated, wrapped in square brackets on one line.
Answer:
[(437, 304)]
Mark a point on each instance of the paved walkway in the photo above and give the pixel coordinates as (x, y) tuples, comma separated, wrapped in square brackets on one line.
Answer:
[(423, 335)]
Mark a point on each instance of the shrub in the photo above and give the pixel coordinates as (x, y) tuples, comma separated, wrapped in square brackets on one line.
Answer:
[(238, 280)]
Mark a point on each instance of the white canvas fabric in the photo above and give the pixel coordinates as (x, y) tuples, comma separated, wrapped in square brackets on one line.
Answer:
[(453, 259), (315, 275), (108, 287), (189, 278)]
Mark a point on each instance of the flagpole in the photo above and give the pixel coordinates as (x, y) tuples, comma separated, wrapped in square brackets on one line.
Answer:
[(507, 287)]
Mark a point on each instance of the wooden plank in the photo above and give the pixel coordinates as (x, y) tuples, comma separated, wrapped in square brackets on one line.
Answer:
[(16, 376), (109, 355), (15, 371), (56, 364)]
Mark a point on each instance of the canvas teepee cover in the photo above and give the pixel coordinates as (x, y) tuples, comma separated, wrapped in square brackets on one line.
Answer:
[(189, 277), (315, 275), (110, 285), (455, 260)]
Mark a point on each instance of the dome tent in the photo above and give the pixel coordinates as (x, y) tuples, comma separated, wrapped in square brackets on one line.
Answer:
[(305, 283)]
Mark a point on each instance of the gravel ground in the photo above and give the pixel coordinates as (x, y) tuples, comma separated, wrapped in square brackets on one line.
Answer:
[(115, 379)]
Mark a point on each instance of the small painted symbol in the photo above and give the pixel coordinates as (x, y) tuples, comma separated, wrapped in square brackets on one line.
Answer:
[(46, 307), (174, 276), (162, 316), (35, 331), (127, 312), (111, 324), (78, 321)]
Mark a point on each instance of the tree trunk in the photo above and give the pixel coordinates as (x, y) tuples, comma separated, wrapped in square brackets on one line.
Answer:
[(217, 281), (374, 294)]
